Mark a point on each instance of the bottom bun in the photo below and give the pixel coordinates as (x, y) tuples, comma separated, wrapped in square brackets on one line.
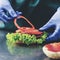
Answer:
[(51, 54)]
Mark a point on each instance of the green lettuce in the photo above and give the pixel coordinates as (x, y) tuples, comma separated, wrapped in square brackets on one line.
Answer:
[(27, 39)]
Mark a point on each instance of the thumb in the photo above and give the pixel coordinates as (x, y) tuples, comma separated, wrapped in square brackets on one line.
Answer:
[(46, 26)]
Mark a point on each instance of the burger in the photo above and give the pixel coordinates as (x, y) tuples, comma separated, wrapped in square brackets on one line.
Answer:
[(26, 35)]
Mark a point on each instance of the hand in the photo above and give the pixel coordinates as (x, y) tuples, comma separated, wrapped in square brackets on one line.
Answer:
[(5, 7), (55, 23)]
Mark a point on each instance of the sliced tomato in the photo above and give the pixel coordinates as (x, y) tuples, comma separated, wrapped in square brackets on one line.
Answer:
[(29, 31), (55, 47)]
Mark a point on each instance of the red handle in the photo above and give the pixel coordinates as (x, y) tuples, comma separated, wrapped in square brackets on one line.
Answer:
[(25, 19)]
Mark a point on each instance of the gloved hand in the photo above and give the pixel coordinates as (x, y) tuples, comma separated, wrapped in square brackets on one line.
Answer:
[(55, 23), (5, 7)]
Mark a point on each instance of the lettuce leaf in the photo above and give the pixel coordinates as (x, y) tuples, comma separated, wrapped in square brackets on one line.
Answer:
[(27, 39)]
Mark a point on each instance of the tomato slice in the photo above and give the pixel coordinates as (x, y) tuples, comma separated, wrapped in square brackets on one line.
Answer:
[(29, 31), (55, 47)]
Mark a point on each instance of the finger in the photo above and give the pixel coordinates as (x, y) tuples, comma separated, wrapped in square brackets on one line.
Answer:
[(2, 19), (11, 11), (5, 16), (18, 13), (55, 35), (1, 10), (46, 26)]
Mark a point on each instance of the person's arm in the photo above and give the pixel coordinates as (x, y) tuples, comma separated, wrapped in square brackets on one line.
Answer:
[(55, 23)]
